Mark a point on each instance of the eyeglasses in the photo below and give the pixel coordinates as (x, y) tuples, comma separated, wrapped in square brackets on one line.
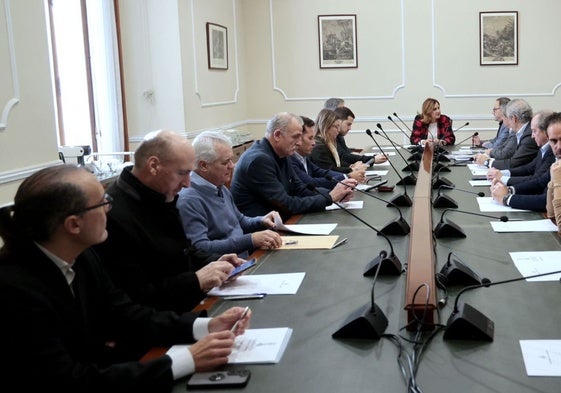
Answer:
[(108, 201), (496, 109)]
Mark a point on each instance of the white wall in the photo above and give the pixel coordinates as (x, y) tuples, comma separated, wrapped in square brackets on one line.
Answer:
[(407, 50)]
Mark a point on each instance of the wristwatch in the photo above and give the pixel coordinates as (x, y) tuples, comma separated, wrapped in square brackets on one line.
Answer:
[(505, 199), (486, 163)]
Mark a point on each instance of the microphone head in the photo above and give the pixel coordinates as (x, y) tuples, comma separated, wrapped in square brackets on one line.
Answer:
[(467, 123), (475, 133), (389, 118), (485, 281), (376, 132), (368, 132), (480, 194), (395, 114), (503, 218), (379, 125)]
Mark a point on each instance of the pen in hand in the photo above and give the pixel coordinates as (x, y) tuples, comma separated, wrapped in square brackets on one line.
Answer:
[(244, 313)]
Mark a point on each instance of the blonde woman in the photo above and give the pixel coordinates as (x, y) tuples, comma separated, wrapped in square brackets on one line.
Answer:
[(432, 125), (324, 153)]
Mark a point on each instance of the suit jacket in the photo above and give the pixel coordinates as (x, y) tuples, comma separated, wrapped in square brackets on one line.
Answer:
[(345, 153), (525, 151), (322, 157), (315, 174), (531, 194), (263, 181), (53, 340), (535, 168)]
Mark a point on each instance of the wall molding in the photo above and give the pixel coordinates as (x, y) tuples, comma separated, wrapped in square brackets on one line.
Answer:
[(236, 65), (481, 95), (12, 55), (277, 88), (22, 173)]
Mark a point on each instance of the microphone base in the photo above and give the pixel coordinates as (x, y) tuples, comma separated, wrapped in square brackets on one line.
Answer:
[(401, 200), (469, 324), (415, 157), (442, 181), (391, 266), (366, 323), (455, 272), (442, 158), (447, 228), (413, 167), (409, 180), (444, 201), (399, 227)]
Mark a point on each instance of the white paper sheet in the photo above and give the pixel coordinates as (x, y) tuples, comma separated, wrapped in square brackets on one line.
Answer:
[(480, 183), (307, 229), (530, 263), (488, 204), (271, 284), (542, 358), (376, 173), (260, 346), (544, 225), (347, 205)]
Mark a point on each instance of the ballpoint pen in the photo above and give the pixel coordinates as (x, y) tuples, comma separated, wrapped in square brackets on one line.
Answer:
[(339, 243), (260, 295), (291, 242), (233, 330)]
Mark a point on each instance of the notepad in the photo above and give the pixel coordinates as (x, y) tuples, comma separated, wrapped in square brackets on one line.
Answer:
[(308, 242), (260, 346)]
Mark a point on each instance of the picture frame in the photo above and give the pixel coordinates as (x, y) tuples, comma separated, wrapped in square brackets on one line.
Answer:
[(498, 38), (217, 46), (337, 41)]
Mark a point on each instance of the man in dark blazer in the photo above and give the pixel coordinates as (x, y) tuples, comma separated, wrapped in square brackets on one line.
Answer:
[(264, 179), (518, 117), (531, 194), (306, 170), (535, 168), (61, 309)]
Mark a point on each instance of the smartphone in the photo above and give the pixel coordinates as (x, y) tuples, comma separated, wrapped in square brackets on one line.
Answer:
[(380, 183), (242, 268), (219, 379)]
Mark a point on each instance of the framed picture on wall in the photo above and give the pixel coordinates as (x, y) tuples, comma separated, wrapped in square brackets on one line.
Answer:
[(498, 38), (217, 46), (337, 41)]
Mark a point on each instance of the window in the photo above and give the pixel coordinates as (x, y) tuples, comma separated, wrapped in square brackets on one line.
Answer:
[(86, 68)]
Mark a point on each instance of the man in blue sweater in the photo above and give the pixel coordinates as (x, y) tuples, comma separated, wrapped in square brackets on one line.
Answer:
[(210, 217)]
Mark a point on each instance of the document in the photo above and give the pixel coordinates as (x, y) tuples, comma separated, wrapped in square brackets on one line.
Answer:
[(306, 229), (545, 225), (488, 204), (375, 173), (271, 284), (542, 358), (347, 205), (308, 242), (260, 346), (480, 183), (387, 153), (478, 172), (530, 263)]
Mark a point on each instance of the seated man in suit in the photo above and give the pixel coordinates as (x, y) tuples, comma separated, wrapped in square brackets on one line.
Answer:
[(264, 179), (348, 155), (499, 110), (518, 116), (309, 172), (210, 217), (62, 308), (539, 165), (531, 194), (147, 253)]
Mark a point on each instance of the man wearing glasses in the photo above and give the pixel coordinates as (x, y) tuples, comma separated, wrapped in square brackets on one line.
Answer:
[(499, 110)]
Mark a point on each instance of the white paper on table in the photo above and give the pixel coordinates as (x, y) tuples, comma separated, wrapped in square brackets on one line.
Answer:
[(375, 148), (488, 204), (478, 171), (530, 263), (385, 163), (375, 173), (542, 358), (260, 346), (480, 183), (387, 153), (545, 225), (347, 205), (271, 284), (307, 229)]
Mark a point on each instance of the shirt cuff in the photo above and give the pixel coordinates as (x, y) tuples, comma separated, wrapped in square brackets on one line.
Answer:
[(200, 328), (504, 179), (182, 363)]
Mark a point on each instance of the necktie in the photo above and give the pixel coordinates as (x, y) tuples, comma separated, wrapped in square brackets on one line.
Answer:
[(219, 192)]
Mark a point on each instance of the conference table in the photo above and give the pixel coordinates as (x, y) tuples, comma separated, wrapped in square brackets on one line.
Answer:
[(334, 286)]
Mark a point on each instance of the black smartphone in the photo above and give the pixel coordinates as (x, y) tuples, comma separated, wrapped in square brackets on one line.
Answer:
[(380, 183), (219, 379), (242, 268)]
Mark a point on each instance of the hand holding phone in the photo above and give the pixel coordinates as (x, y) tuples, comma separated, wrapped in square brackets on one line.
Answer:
[(241, 268)]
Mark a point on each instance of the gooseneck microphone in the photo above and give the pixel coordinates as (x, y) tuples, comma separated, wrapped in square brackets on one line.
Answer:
[(391, 264), (446, 228), (412, 149), (442, 200), (401, 199), (398, 227), (467, 323), (441, 181), (367, 322), (406, 126), (459, 128), (414, 166), (471, 136)]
